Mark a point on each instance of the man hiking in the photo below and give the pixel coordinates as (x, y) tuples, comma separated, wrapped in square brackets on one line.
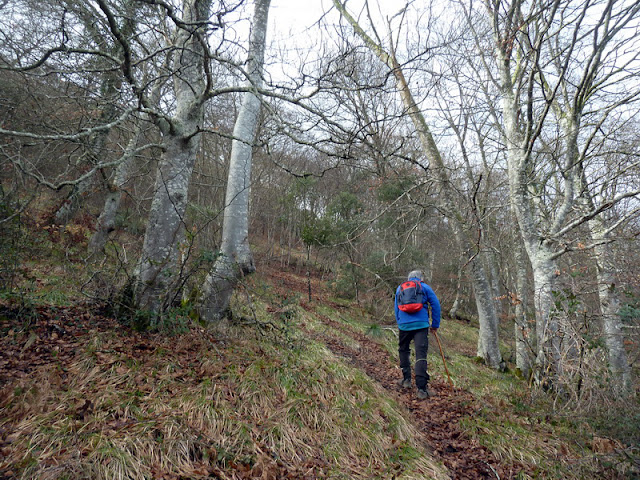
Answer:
[(413, 300)]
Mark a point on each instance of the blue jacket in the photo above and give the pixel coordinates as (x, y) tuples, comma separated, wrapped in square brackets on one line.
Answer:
[(420, 319)]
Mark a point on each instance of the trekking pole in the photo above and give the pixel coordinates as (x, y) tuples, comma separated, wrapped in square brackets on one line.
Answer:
[(435, 332)]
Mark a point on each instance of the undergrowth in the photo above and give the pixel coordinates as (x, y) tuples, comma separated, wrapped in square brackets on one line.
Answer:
[(207, 402), (257, 396), (519, 423)]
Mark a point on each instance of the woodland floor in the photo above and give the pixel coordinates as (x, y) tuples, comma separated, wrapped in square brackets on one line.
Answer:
[(57, 337)]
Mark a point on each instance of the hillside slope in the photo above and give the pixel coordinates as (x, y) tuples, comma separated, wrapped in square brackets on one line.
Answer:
[(287, 389)]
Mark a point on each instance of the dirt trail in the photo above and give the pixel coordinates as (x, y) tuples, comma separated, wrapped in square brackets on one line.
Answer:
[(438, 417), (60, 332)]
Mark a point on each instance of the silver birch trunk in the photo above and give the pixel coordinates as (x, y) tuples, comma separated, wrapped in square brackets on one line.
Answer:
[(158, 268), (235, 256), (488, 341)]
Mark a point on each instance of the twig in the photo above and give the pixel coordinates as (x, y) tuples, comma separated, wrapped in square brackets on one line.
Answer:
[(393, 330), (492, 469)]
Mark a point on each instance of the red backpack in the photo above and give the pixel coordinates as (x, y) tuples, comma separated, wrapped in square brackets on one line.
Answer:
[(410, 297)]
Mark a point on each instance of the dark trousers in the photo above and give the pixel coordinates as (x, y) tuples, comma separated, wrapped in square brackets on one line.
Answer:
[(421, 344)]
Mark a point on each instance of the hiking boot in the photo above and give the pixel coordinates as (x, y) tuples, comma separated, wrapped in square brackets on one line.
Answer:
[(404, 383), (426, 393)]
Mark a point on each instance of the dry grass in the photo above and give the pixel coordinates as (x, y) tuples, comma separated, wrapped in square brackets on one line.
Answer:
[(229, 403), (261, 402)]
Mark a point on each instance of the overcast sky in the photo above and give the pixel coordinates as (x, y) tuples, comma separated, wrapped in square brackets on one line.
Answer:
[(293, 33), (295, 17), (295, 14)]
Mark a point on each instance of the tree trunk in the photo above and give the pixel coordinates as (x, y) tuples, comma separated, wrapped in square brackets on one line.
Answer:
[(608, 287), (524, 43), (523, 336), (107, 219), (158, 268), (548, 355), (453, 312), (492, 262), (548, 358), (236, 258), (609, 294), (110, 91), (488, 347), (158, 271)]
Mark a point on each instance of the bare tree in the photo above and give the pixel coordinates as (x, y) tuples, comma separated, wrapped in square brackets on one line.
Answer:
[(110, 86), (106, 221), (488, 341), (529, 44), (236, 259), (164, 75), (525, 343), (115, 186), (70, 65), (158, 278)]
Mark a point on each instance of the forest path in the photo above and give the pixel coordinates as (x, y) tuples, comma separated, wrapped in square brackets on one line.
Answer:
[(438, 418), (60, 335)]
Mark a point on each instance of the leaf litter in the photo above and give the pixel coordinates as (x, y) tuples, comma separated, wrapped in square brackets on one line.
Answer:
[(54, 349)]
